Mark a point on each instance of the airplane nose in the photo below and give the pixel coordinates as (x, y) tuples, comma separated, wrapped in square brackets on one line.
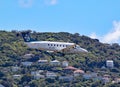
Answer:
[(83, 50)]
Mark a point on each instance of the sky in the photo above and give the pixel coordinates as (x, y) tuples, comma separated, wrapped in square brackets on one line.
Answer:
[(98, 19)]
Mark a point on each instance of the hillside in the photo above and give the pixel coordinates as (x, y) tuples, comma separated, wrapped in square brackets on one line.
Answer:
[(12, 50)]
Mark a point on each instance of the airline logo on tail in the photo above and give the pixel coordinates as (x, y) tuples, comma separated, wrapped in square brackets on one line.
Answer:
[(26, 36)]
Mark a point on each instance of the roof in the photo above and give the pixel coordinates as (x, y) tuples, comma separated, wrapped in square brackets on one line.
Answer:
[(65, 61), (79, 71), (71, 68), (28, 55), (109, 60), (42, 60), (55, 61)]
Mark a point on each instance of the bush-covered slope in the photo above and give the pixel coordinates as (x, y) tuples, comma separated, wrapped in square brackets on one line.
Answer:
[(12, 49)]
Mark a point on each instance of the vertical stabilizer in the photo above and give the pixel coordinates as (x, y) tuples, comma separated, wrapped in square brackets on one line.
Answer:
[(26, 36)]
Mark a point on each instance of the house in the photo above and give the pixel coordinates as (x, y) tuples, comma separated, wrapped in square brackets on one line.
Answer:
[(117, 80), (97, 78), (106, 75), (66, 78), (103, 67), (55, 63), (6, 70), (69, 69), (38, 76), (110, 63), (105, 80), (37, 72), (65, 63), (57, 69), (27, 56), (42, 62), (15, 68), (27, 63), (16, 76), (27, 86), (93, 74), (78, 72), (51, 75), (87, 76), (90, 75)]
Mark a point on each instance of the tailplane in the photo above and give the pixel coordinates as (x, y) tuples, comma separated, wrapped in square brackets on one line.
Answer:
[(26, 36)]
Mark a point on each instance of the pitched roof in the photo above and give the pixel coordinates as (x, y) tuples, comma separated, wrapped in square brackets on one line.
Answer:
[(79, 71), (70, 68)]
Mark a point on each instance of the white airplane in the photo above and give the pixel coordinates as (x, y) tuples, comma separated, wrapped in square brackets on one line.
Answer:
[(52, 46)]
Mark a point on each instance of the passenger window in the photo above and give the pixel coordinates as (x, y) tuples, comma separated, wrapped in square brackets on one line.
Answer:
[(48, 44), (51, 44), (54, 44), (57, 45)]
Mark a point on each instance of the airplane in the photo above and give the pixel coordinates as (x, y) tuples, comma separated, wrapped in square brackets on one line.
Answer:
[(49, 46)]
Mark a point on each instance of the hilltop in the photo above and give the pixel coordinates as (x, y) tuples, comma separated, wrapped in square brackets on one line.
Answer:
[(12, 50)]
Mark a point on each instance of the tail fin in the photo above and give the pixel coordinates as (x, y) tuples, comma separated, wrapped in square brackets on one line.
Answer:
[(26, 36)]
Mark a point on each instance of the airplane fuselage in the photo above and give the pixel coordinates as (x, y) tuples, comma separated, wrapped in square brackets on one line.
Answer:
[(56, 46)]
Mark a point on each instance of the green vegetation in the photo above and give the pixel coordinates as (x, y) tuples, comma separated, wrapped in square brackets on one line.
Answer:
[(12, 50)]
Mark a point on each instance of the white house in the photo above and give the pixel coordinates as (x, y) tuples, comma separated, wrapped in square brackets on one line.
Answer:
[(16, 76), (27, 56), (27, 63), (110, 63), (66, 78), (87, 76), (38, 76), (65, 63), (42, 62), (105, 80), (55, 62), (117, 80), (90, 75), (15, 68), (37, 72), (51, 75)]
